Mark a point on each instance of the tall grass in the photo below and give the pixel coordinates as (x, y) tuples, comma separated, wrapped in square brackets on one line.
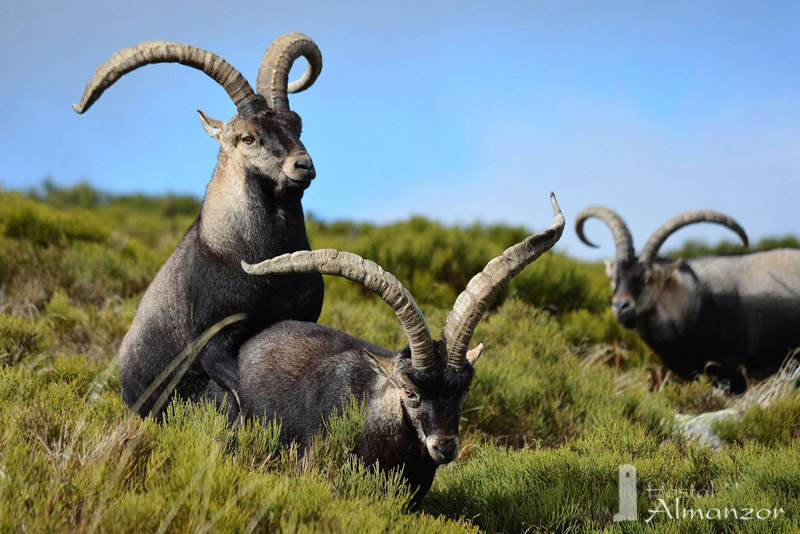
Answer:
[(562, 397)]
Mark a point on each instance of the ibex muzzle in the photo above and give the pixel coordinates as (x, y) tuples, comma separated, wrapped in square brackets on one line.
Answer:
[(300, 168)]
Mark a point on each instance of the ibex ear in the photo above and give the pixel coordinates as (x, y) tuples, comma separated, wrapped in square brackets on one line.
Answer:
[(671, 268), (380, 364), (653, 274), (609, 267), (212, 126), (659, 274), (474, 354)]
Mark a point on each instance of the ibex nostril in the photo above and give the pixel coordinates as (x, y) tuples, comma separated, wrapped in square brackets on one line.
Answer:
[(303, 162), (621, 306), (445, 445)]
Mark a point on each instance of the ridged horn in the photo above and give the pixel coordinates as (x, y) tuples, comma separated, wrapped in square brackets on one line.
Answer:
[(131, 58), (370, 275), (273, 75), (653, 244), (622, 236), (486, 285)]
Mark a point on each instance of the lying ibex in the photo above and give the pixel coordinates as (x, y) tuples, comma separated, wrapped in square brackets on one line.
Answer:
[(301, 372), (251, 210), (728, 315)]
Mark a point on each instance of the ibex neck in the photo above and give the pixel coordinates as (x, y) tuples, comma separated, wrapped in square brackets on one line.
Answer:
[(241, 217)]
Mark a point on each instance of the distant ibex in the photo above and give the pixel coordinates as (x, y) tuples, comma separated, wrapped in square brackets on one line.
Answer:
[(731, 316), (300, 372), (251, 210)]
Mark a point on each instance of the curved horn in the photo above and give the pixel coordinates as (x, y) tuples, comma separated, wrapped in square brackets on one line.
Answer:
[(650, 248), (273, 75), (486, 285), (370, 275), (622, 236), (128, 59)]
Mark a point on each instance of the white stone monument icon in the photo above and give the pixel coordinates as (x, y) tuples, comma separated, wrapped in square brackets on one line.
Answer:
[(627, 494)]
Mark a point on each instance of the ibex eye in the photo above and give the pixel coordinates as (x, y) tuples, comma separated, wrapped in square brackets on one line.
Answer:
[(248, 140), (409, 392)]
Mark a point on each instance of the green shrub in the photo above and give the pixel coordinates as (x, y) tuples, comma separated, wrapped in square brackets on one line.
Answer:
[(777, 424), (258, 445), (693, 248), (63, 316), (590, 331), (575, 489), (562, 396), (696, 396), (436, 262), (20, 338), (334, 446), (23, 219)]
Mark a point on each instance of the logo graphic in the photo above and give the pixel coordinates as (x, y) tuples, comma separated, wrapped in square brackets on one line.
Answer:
[(680, 504), (627, 494)]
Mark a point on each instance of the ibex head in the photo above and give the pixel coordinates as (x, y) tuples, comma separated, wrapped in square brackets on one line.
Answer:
[(429, 377), (263, 139), (639, 283), (267, 146), (431, 399)]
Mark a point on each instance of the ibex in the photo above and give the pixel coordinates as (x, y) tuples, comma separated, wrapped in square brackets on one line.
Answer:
[(732, 316), (251, 210), (300, 372)]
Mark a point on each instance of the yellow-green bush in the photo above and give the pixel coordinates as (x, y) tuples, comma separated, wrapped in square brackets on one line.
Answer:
[(562, 396), (23, 219), (20, 338)]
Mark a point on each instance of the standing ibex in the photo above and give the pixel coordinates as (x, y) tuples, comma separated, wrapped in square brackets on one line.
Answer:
[(728, 315), (301, 372), (251, 210)]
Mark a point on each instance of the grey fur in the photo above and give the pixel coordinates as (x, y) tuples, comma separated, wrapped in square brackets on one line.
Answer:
[(730, 316), (252, 210), (300, 372)]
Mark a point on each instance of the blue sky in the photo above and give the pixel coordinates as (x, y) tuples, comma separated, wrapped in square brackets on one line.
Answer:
[(460, 111)]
